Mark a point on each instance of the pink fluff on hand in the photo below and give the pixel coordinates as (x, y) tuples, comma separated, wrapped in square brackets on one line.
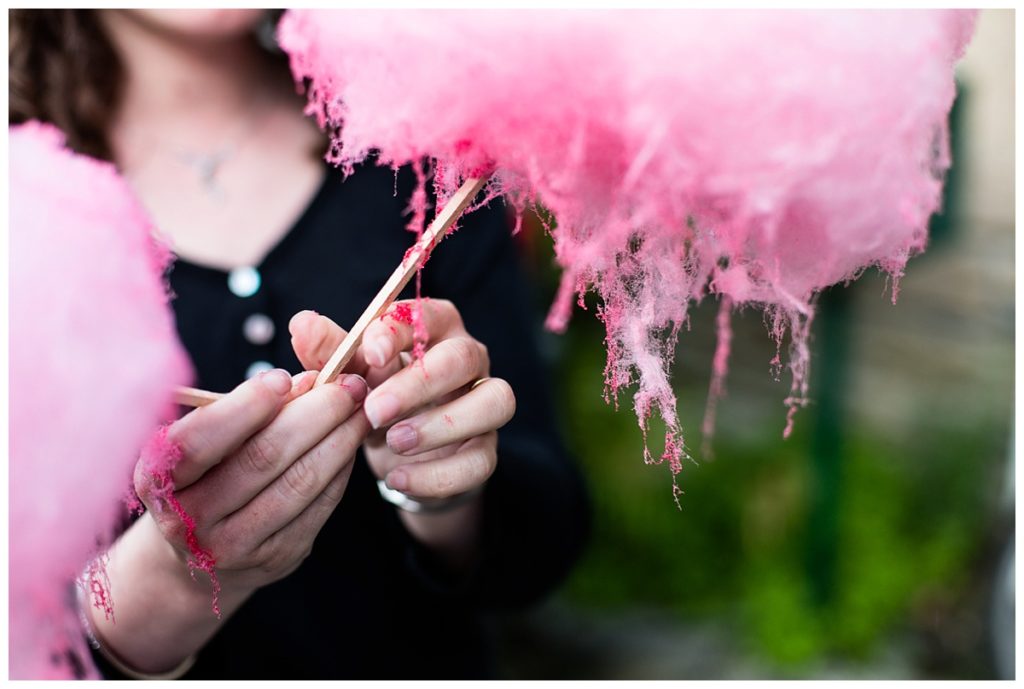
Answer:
[(93, 360), (756, 155), (158, 458)]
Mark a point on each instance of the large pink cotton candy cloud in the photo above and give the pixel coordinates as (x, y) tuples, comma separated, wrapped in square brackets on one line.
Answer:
[(93, 359), (759, 156)]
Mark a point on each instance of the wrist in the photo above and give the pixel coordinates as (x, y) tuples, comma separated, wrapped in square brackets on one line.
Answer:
[(453, 536), (163, 616), (89, 625)]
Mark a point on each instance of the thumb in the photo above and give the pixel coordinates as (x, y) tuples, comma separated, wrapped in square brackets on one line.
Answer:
[(314, 339)]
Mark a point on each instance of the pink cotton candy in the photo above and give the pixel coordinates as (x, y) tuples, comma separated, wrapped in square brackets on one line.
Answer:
[(756, 155), (93, 360)]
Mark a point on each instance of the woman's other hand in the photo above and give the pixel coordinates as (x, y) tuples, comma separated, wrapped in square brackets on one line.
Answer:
[(435, 419)]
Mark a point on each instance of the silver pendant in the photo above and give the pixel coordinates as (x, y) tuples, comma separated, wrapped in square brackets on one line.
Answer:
[(207, 166)]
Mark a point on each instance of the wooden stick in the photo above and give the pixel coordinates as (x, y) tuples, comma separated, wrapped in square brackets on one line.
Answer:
[(446, 217), (194, 397)]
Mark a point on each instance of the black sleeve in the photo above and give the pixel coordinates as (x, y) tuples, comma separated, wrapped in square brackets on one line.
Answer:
[(536, 510)]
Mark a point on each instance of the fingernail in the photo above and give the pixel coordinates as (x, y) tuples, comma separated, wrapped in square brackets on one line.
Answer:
[(402, 438), (397, 480), (379, 350), (277, 380), (297, 381), (355, 385), (381, 408)]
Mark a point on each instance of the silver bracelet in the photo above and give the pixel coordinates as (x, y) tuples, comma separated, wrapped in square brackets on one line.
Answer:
[(432, 506)]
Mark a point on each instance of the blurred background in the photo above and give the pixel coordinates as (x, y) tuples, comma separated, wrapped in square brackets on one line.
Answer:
[(876, 542)]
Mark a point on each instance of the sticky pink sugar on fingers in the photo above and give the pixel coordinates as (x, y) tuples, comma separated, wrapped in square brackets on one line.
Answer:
[(395, 331)]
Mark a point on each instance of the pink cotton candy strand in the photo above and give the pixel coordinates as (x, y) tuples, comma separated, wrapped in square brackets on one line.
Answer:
[(756, 155), (719, 369), (96, 583), (93, 361), (159, 458)]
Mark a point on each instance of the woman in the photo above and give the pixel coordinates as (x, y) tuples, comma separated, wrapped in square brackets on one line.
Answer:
[(323, 572)]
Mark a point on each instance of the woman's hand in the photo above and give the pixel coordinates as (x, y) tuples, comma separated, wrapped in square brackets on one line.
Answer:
[(435, 420), (261, 471)]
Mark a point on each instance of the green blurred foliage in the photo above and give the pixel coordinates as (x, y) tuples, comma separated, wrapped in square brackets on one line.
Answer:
[(909, 515), (907, 524)]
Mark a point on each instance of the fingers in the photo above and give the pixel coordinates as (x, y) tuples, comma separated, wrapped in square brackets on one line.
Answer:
[(260, 460), (446, 366), (287, 547), (207, 434), (487, 407), (301, 384), (469, 467), (314, 339), (394, 332), (301, 485)]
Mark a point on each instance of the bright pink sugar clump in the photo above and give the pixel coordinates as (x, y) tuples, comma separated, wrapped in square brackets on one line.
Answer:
[(401, 313), (755, 155), (93, 359)]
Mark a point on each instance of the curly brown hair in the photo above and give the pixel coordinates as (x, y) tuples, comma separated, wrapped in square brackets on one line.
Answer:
[(64, 70)]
